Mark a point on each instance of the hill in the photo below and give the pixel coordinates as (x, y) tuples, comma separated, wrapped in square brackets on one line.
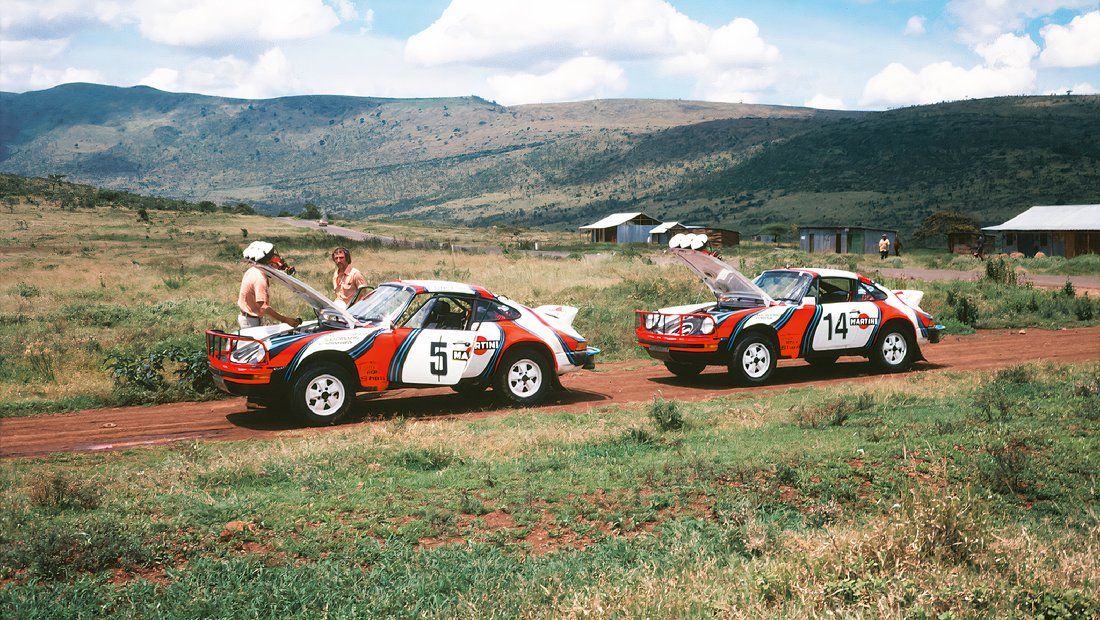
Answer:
[(473, 161)]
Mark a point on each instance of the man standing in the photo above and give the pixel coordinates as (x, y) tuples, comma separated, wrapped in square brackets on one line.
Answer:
[(253, 299), (979, 251), (884, 247), (346, 280)]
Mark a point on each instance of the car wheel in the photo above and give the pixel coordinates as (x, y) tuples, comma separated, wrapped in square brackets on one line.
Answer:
[(754, 359), (322, 394), (685, 370), (822, 360), (894, 350), (524, 377)]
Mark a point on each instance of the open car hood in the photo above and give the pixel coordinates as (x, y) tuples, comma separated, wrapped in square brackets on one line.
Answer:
[(316, 300), (723, 280)]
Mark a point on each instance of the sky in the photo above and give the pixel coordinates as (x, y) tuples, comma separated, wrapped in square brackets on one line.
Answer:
[(837, 54)]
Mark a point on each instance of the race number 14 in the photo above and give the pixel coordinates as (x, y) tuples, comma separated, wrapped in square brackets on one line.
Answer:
[(839, 328)]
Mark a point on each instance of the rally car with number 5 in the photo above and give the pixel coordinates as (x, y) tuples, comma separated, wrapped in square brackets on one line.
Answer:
[(814, 314), (403, 334)]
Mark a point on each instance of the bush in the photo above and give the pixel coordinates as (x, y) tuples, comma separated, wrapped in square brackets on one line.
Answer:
[(1007, 465), (666, 415), (140, 375), (59, 550), (424, 459), (57, 491), (964, 310), (1001, 271), (26, 291), (834, 412), (1082, 308), (1068, 290)]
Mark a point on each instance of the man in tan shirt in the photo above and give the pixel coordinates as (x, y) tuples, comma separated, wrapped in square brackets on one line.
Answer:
[(346, 280), (253, 298), (884, 247)]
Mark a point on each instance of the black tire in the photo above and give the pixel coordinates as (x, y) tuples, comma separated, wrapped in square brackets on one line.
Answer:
[(754, 359), (822, 360), (894, 350), (684, 370), (322, 394), (525, 377)]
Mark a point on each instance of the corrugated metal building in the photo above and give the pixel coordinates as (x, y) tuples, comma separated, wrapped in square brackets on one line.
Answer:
[(661, 234), (621, 228), (1066, 230), (844, 239)]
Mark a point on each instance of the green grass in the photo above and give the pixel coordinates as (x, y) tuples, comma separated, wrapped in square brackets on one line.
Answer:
[(970, 494)]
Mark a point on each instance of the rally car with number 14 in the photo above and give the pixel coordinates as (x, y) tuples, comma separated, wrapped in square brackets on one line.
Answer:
[(403, 334), (814, 314)]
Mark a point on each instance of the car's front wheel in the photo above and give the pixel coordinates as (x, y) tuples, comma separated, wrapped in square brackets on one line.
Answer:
[(754, 359), (894, 350), (525, 377), (322, 394)]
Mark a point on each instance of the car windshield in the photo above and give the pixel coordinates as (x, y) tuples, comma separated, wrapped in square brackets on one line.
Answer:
[(785, 285), (383, 304)]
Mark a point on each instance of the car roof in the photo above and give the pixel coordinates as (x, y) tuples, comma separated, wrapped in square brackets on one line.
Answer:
[(444, 286), (824, 273)]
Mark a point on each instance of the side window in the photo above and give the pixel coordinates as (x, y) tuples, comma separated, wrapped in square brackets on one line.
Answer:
[(869, 292), (835, 290), (442, 312), (489, 311), (409, 316)]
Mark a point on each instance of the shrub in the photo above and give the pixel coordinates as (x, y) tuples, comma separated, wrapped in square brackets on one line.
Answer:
[(1001, 271), (140, 375), (834, 412), (1007, 465), (1082, 308), (1068, 290), (57, 491), (424, 459), (58, 550), (964, 310), (26, 291), (666, 415), (993, 402), (930, 524)]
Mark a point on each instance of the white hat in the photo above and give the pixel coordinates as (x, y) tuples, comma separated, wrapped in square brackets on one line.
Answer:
[(258, 251)]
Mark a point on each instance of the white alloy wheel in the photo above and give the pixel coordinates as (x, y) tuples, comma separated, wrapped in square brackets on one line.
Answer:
[(325, 395), (756, 360), (894, 348), (524, 377)]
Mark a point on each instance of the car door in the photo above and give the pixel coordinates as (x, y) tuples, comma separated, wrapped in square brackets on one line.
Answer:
[(847, 319), (437, 342)]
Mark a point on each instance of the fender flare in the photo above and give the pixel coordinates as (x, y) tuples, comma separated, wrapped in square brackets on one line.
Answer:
[(906, 326), (338, 357)]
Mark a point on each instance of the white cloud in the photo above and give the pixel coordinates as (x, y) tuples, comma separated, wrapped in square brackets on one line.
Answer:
[(983, 20), (23, 77), (1008, 50), (346, 9), (178, 22), (586, 77), (368, 21), (270, 76), (824, 102), (31, 50), (897, 85), (735, 85), (915, 25), (1074, 45), (1080, 88)]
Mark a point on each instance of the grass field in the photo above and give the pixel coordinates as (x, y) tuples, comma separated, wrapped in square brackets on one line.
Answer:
[(80, 286), (938, 495)]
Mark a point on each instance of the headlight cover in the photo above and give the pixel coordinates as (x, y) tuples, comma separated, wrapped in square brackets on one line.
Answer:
[(250, 353)]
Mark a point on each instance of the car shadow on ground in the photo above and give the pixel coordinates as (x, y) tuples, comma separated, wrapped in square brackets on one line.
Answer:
[(715, 379), (373, 409)]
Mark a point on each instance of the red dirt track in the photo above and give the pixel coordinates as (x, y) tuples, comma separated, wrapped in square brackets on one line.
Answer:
[(616, 383)]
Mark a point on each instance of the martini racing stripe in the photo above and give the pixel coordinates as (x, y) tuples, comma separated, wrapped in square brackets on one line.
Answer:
[(808, 337), (737, 328), (364, 345), (491, 366), (399, 356), (278, 344), (783, 319)]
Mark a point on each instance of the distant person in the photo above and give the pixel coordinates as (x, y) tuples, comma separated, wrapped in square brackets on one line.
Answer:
[(346, 280), (979, 248), (897, 247), (884, 247), (253, 298)]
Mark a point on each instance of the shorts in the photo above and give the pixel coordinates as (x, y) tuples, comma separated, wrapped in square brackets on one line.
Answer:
[(245, 321)]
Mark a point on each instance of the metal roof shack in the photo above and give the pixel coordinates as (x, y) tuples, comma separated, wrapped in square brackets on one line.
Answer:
[(621, 228), (844, 239), (1064, 230)]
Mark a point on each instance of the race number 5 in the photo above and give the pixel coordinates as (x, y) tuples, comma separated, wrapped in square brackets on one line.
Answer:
[(438, 365), (839, 328)]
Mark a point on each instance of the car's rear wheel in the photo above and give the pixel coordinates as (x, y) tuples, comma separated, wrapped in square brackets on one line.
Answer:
[(822, 360), (683, 369), (754, 359), (524, 377), (894, 350), (322, 394)]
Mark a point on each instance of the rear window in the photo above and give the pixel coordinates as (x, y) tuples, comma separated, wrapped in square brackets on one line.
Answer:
[(489, 311)]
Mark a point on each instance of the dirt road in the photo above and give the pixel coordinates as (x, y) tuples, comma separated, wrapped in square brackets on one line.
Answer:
[(617, 383)]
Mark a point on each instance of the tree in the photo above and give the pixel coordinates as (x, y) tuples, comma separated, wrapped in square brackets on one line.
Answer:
[(207, 206), (781, 231), (310, 212), (936, 226)]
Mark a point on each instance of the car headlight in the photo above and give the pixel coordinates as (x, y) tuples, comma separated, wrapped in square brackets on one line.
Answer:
[(250, 353), (706, 326)]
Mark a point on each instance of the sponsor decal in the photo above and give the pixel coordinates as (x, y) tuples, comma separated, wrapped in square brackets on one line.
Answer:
[(483, 345), (861, 320), (461, 352)]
